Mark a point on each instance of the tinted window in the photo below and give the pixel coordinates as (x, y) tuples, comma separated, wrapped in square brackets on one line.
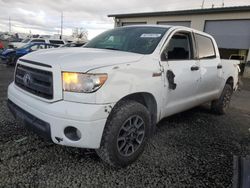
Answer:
[(38, 40), (205, 47), (179, 48), (35, 47), (142, 40), (56, 42), (41, 46)]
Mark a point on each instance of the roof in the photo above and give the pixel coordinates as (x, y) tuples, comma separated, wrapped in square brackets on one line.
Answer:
[(184, 12)]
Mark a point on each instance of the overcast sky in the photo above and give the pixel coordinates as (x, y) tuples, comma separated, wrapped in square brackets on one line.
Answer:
[(43, 16)]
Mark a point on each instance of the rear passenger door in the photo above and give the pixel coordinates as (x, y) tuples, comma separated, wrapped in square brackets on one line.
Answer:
[(182, 73), (211, 69)]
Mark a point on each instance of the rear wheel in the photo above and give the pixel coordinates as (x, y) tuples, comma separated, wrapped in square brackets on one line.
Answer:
[(221, 105), (125, 134)]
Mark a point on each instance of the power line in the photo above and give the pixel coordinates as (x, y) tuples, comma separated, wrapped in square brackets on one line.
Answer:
[(61, 25), (9, 25), (202, 5)]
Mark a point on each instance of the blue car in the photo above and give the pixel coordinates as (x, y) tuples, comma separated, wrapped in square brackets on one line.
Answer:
[(10, 56)]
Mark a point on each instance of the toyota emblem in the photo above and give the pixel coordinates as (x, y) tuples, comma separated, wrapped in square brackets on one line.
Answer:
[(26, 79)]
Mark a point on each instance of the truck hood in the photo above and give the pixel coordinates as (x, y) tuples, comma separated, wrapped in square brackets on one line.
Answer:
[(82, 59)]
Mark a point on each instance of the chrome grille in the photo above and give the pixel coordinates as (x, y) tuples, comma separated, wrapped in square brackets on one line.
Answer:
[(36, 81)]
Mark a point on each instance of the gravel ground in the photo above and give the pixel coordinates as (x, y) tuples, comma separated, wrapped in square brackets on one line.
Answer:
[(191, 149)]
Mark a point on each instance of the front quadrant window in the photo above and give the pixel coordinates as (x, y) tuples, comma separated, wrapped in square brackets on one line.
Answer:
[(142, 40)]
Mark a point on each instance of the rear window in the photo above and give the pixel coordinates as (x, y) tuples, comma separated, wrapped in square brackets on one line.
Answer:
[(38, 40), (205, 47), (56, 42)]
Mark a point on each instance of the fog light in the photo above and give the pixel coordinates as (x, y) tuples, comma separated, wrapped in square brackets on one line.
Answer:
[(72, 133)]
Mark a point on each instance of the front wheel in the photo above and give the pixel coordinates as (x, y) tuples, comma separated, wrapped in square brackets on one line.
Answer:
[(125, 134), (221, 105)]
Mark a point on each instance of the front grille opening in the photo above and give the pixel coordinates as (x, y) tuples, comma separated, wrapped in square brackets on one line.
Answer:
[(36, 81)]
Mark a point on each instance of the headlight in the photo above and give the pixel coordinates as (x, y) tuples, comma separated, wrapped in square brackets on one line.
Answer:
[(82, 83)]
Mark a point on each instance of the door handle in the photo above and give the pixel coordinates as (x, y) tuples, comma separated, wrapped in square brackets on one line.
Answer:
[(219, 66), (195, 68)]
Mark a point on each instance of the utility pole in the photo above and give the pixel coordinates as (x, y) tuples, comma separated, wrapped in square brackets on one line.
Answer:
[(61, 25), (202, 5), (9, 25)]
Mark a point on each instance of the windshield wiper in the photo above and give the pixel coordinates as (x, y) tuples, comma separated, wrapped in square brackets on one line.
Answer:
[(111, 48)]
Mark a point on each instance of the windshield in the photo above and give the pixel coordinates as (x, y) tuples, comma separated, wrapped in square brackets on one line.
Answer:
[(142, 40)]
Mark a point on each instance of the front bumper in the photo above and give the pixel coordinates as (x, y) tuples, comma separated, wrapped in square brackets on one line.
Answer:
[(37, 125), (51, 119)]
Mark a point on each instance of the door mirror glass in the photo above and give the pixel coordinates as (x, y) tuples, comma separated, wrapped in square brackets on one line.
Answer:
[(164, 55)]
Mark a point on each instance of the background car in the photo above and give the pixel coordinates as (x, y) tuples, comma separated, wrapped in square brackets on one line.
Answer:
[(73, 44), (10, 56), (57, 42), (1, 47)]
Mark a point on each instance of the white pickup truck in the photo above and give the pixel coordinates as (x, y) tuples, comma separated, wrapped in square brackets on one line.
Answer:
[(110, 94)]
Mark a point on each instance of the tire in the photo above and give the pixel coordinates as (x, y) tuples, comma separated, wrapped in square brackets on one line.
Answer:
[(11, 60), (221, 105), (121, 132)]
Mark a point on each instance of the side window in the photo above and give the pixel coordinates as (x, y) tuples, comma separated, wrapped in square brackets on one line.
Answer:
[(179, 48), (38, 40), (41, 46), (50, 46), (33, 48), (205, 47), (56, 41)]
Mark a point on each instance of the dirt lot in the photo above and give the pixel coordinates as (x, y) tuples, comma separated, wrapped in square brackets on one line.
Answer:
[(191, 149)]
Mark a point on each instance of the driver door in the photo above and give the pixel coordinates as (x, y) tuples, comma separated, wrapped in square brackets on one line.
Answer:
[(182, 73)]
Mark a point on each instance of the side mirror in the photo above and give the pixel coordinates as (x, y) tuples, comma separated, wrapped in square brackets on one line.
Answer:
[(164, 56)]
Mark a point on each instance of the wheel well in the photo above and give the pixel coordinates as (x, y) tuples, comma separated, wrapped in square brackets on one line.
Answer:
[(230, 81), (148, 101)]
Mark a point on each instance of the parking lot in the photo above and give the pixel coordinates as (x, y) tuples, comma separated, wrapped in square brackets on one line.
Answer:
[(191, 149)]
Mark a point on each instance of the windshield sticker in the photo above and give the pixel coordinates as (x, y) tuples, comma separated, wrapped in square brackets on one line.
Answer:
[(150, 35)]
